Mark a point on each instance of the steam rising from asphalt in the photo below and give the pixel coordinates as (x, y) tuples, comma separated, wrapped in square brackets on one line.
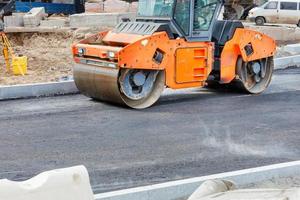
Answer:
[(223, 140)]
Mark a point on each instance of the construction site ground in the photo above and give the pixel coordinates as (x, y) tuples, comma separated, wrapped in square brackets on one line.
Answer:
[(49, 52), (49, 55)]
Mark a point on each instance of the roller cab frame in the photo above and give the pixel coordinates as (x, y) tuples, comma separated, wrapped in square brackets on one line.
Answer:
[(176, 44)]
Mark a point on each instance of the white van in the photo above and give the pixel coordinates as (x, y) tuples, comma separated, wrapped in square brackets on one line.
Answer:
[(277, 11)]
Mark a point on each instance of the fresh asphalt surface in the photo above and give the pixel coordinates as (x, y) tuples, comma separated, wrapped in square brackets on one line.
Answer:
[(188, 133)]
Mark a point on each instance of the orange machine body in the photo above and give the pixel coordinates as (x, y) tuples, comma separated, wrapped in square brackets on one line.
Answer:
[(186, 64)]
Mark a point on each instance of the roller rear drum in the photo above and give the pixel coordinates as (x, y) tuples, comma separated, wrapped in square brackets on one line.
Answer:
[(254, 77)]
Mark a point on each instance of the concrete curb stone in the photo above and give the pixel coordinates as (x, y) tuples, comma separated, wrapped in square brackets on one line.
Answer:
[(37, 90), (285, 62)]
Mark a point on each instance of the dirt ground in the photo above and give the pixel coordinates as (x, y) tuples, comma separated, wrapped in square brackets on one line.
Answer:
[(49, 56)]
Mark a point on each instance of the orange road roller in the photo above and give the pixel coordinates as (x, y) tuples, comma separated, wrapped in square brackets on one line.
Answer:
[(175, 44)]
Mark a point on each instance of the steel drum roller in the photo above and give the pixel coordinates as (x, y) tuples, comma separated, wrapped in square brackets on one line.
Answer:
[(97, 82), (108, 84)]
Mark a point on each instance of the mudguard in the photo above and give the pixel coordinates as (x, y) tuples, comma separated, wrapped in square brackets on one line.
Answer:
[(250, 45)]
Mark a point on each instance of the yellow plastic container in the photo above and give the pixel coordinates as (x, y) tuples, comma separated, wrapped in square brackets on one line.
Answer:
[(19, 65)]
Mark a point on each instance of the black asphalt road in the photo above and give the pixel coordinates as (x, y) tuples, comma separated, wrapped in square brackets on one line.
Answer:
[(188, 133)]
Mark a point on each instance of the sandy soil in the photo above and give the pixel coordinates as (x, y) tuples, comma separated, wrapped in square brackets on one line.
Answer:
[(49, 55)]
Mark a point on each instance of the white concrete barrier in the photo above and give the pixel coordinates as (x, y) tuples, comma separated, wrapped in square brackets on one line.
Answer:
[(211, 187), (61, 184)]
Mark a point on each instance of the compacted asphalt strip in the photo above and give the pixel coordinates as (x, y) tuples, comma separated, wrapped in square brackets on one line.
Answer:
[(187, 133)]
